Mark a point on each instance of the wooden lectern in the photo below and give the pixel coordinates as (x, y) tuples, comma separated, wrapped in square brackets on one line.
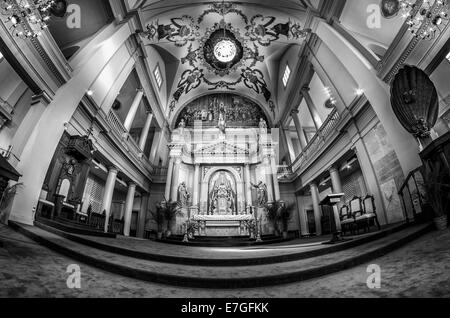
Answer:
[(328, 205)]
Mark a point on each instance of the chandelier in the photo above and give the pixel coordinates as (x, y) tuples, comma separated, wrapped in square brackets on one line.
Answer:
[(28, 18), (425, 20)]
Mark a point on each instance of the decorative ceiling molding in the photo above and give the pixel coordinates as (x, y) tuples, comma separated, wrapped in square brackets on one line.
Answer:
[(237, 55)]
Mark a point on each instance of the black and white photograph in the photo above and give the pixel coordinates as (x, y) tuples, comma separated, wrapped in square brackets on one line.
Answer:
[(224, 154)]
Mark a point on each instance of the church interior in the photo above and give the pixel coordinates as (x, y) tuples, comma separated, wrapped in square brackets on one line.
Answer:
[(212, 148)]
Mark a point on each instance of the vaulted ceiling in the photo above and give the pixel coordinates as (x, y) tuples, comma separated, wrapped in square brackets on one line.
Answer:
[(185, 36)]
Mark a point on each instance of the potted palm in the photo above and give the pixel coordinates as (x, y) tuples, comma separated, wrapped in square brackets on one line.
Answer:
[(272, 216), (438, 193), (158, 217), (170, 210)]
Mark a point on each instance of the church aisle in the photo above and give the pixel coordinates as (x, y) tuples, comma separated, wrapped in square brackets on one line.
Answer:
[(39, 272)]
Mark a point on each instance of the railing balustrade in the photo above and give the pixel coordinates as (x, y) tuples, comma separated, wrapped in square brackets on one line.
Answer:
[(316, 143), (127, 141)]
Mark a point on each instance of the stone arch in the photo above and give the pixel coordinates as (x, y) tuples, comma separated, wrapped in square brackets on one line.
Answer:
[(239, 187)]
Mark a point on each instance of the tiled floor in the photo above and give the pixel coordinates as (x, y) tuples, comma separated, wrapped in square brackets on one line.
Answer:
[(421, 269)]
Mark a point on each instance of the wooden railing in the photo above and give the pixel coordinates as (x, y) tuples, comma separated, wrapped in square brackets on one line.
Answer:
[(412, 194), (317, 142)]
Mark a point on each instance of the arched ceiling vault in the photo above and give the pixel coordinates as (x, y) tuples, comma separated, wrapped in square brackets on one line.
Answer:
[(230, 47)]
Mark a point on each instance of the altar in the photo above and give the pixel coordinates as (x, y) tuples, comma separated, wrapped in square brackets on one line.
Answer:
[(222, 225), (220, 164)]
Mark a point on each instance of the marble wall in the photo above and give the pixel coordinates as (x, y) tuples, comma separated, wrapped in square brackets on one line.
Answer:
[(388, 171)]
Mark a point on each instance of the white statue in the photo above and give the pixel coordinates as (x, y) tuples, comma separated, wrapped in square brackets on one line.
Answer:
[(262, 124), (183, 194), (261, 189), (222, 124)]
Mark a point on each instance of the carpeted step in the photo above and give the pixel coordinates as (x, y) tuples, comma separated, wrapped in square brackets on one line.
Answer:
[(222, 276), (75, 228)]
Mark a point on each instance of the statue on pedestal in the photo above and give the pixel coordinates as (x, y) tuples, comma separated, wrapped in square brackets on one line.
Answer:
[(182, 124), (262, 124), (222, 124), (183, 195), (261, 189)]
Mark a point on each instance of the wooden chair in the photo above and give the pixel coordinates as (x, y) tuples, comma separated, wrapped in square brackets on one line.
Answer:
[(347, 221), (356, 210), (369, 213)]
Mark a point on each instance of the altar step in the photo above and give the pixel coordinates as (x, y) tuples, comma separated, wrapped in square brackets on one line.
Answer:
[(214, 277), (73, 227), (209, 241), (188, 255)]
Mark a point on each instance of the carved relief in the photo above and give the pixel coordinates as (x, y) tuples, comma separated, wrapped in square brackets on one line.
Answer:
[(238, 111)]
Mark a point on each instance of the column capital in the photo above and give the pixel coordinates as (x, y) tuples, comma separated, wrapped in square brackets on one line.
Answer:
[(132, 184), (333, 168), (294, 111), (140, 90), (313, 184), (113, 169)]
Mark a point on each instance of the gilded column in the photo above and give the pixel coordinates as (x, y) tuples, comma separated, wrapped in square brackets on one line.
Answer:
[(195, 196), (169, 180), (248, 189), (268, 172)]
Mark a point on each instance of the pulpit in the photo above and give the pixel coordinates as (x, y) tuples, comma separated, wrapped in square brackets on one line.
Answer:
[(329, 207), (66, 178)]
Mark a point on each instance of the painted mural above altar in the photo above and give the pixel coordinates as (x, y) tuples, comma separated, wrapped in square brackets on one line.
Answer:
[(238, 111)]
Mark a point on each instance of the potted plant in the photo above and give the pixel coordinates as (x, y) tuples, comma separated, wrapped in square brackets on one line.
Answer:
[(438, 193), (158, 217), (272, 216), (170, 209), (284, 216)]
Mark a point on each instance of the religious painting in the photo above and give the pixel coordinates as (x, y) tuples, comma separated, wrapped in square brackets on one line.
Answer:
[(237, 111)]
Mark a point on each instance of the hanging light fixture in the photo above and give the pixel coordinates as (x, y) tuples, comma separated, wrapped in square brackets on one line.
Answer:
[(28, 18), (425, 21)]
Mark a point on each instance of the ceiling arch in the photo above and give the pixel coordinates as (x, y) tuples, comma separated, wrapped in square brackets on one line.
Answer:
[(260, 27)]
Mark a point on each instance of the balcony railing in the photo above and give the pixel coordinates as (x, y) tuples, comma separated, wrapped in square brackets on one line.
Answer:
[(160, 173), (315, 144), (127, 141)]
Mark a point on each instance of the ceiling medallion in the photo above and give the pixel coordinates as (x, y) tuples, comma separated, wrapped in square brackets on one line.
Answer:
[(222, 51)]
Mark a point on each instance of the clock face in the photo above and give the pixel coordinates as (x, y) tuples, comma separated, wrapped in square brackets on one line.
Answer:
[(225, 51)]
